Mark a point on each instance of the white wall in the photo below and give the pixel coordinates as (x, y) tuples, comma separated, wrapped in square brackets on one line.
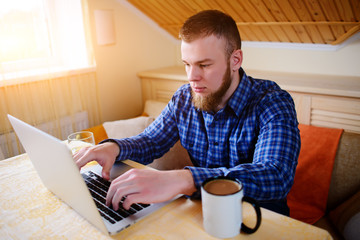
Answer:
[(343, 62), (139, 46)]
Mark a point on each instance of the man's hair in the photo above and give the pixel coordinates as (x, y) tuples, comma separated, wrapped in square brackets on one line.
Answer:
[(212, 22)]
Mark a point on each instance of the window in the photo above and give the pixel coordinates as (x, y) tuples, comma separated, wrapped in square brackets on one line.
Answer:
[(41, 34), (24, 34)]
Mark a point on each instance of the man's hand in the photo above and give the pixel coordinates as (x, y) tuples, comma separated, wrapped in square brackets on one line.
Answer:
[(105, 154), (149, 186), (137, 185)]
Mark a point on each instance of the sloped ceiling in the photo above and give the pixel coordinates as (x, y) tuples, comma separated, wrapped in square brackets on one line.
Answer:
[(291, 21)]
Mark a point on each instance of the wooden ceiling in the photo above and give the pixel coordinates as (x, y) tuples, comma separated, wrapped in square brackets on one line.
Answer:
[(292, 21)]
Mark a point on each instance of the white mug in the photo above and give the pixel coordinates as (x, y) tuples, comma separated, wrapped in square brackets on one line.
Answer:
[(222, 199)]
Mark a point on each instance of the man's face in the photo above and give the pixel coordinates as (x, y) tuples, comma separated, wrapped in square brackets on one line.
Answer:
[(208, 71)]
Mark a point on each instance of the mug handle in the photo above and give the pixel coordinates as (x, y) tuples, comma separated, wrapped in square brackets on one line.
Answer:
[(256, 206)]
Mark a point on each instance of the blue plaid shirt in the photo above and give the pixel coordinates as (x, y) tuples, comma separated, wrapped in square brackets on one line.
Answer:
[(254, 138)]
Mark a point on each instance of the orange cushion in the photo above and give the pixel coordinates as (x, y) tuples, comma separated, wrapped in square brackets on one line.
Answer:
[(99, 133), (308, 197)]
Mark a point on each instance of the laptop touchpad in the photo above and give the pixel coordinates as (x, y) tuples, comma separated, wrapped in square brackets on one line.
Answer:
[(118, 169)]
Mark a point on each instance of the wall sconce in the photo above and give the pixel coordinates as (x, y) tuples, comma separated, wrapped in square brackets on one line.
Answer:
[(105, 28)]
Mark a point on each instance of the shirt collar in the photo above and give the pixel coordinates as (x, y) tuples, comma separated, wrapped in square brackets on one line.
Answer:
[(242, 94)]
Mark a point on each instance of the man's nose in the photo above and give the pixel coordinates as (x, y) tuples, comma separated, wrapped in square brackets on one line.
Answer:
[(193, 73)]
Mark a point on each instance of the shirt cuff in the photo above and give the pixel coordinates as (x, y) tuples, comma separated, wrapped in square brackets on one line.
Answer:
[(125, 149), (201, 174)]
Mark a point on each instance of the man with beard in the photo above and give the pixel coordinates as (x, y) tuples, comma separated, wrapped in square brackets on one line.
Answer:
[(231, 125)]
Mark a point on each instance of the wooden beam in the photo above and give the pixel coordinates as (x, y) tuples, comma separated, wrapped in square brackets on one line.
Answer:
[(347, 35), (280, 23), (297, 23)]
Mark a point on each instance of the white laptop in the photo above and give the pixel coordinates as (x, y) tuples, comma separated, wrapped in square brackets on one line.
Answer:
[(54, 163)]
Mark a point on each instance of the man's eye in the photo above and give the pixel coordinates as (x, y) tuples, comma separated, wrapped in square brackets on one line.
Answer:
[(204, 65)]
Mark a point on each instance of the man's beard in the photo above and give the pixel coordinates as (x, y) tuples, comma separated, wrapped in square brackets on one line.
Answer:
[(211, 102)]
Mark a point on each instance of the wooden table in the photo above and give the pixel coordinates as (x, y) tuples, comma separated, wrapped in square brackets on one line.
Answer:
[(29, 211)]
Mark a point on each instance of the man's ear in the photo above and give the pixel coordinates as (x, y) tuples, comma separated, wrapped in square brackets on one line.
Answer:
[(236, 59)]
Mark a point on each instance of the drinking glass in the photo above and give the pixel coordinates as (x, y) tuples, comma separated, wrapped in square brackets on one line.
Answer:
[(79, 140)]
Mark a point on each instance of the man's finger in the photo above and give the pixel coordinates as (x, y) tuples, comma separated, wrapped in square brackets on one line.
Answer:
[(84, 158), (134, 198), (115, 195)]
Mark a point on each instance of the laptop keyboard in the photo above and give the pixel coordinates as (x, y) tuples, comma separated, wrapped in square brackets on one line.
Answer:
[(98, 188)]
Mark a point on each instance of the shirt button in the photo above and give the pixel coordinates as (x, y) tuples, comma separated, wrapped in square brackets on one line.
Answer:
[(216, 143)]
